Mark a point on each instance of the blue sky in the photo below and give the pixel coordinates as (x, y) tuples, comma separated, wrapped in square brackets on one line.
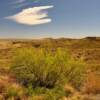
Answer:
[(49, 18)]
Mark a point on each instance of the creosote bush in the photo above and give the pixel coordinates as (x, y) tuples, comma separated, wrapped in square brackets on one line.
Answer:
[(46, 68)]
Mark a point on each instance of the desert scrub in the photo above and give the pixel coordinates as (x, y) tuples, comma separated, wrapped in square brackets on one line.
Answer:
[(46, 69), (13, 92), (47, 94), (76, 73), (39, 67)]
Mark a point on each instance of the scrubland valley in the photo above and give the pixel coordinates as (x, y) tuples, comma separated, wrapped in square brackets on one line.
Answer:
[(50, 69)]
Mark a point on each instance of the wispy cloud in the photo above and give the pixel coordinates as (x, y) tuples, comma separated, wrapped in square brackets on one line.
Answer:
[(19, 1), (32, 16), (21, 5)]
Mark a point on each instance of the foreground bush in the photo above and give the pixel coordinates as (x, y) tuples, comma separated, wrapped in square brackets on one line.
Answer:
[(76, 73), (39, 67), (44, 70)]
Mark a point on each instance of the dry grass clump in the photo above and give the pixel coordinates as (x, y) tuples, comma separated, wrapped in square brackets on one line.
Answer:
[(92, 84), (10, 90)]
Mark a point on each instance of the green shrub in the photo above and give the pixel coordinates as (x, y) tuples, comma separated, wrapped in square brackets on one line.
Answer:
[(14, 92), (47, 94), (46, 68), (55, 94), (39, 67), (11, 92), (75, 73)]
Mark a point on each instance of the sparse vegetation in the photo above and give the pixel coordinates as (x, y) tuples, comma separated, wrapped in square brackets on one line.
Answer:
[(50, 69), (47, 69)]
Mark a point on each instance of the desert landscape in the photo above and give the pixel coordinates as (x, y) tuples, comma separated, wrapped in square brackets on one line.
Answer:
[(49, 49), (71, 69)]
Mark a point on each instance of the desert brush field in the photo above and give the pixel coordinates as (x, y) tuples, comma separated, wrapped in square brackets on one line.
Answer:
[(50, 69)]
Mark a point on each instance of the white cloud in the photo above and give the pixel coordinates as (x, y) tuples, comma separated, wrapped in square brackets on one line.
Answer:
[(32, 16)]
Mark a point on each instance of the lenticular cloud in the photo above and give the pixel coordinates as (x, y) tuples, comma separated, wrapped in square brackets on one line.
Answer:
[(32, 16)]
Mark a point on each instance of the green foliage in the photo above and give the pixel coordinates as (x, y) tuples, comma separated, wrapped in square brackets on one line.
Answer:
[(55, 94), (39, 67), (48, 94), (13, 92), (43, 71), (29, 90), (75, 73)]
